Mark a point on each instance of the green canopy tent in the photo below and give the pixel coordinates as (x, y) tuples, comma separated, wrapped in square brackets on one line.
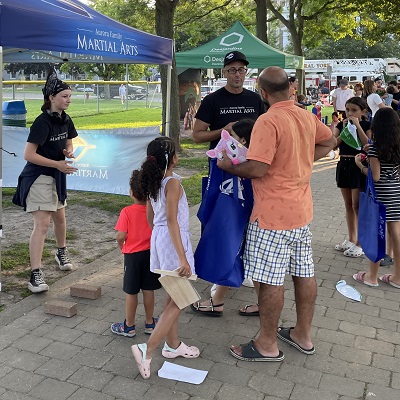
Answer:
[(259, 54)]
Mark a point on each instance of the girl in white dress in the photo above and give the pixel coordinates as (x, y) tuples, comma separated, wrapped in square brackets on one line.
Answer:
[(170, 247)]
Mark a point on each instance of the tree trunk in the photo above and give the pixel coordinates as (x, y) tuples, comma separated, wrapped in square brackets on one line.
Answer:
[(261, 23), (165, 10)]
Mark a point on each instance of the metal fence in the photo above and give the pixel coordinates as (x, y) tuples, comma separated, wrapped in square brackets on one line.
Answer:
[(96, 95)]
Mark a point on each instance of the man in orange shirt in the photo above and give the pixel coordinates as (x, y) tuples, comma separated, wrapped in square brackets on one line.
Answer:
[(284, 144)]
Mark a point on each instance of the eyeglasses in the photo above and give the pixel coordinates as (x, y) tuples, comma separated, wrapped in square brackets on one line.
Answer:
[(233, 71)]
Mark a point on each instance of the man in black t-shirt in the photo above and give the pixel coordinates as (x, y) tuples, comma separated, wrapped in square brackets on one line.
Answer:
[(222, 108)]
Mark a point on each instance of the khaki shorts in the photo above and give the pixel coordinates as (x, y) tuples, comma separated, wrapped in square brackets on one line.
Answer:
[(43, 195)]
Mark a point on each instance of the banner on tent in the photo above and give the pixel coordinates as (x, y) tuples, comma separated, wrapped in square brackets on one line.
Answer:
[(104, 158)]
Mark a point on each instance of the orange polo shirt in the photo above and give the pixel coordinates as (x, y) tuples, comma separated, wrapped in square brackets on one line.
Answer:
[(285, 139)]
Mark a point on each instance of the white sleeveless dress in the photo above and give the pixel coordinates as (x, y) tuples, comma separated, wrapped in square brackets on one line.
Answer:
[(162, 251)]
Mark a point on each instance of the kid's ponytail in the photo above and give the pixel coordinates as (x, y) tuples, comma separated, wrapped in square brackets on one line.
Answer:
[(160, 153)]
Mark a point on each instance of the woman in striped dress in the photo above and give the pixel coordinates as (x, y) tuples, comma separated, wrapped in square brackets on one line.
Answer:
[(384, 160)]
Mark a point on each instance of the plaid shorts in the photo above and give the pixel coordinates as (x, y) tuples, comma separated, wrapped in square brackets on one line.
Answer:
[(270, 254)]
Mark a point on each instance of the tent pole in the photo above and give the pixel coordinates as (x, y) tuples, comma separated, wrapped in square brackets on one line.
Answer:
[(127, 86), (1, 152), (168, 102)]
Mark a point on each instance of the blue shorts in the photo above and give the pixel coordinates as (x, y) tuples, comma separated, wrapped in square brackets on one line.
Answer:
[(271, 254)]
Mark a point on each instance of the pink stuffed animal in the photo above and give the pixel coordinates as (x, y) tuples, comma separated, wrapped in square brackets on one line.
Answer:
[(234, 150)]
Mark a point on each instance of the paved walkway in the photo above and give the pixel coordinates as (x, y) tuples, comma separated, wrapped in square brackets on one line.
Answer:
[(358, 344)]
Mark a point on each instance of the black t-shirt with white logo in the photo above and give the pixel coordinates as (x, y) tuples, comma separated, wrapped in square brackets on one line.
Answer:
[(222, 107), (50, 132)]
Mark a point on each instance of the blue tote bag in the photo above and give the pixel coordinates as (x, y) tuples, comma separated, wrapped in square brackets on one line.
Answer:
[(372, 222), (224, 213)]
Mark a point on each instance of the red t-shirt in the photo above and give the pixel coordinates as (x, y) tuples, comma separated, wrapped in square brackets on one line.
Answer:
[(133, 221)]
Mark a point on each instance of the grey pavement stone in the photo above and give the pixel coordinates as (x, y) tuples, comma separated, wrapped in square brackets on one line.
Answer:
[(58, 369), (355, 329), (381, 392), (327, 365), (9, 333), (385, 362), (351, 355), (4, 370), (210, 389), (67, 322), (20, 381), (64, 334), (332, 336), (92, 341), (52, 388), (229, 373), (375, 346), (26, 360), (382, 303), (299, 375), (9, 395), (121, 366), (270, 385), (123, 388), (378, 322), (301, 392), (32, 343), (363, 309), (87, 394), (92, 358), (91, 378), (91, 325), (364, 373), (343, 315), (61, 351), (340, 385), (229, 392), (389, 314), (167, 394), (396, 381), (388, 336)]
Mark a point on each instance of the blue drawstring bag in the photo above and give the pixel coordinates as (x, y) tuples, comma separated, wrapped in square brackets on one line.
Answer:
[(224, 214), (372, 222)]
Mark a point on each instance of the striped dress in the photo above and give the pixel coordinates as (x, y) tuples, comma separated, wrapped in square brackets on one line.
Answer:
[(388, 187)]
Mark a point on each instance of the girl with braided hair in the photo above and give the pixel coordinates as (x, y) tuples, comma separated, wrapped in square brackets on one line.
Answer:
[(170, 247)]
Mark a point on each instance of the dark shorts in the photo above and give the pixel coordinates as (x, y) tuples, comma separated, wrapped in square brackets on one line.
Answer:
[(348, 175), (137, 274)]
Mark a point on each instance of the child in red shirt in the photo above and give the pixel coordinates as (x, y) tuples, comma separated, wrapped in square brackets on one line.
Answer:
[(133, 237)]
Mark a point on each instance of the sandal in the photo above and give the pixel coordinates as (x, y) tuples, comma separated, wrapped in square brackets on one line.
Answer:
[(181, 351), (386, 279), (360, 277), (209, 310), (120, 328), (149, 328), (243, 311), (354, 251), (139, 353), (345, 245)]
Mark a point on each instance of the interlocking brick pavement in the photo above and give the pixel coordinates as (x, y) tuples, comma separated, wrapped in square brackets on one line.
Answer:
[(357, 344)]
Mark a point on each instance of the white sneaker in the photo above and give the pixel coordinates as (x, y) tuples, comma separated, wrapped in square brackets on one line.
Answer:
[(248, 283), (213, 290)]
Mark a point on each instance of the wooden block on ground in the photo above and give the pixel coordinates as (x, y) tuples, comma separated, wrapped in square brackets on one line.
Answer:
[(85, 291), (60, 307)]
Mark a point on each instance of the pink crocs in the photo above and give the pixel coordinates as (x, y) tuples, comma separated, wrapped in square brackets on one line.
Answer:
[(181, 351)]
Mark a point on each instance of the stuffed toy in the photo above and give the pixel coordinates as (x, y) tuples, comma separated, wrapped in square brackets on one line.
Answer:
[(234, 150)]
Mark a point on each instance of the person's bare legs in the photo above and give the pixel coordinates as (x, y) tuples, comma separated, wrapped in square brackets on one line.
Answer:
[(41, 223), (305, 290), (148, 303), (131, 302), (394, 229), (166, 326), (270, 302), (218, 298), (252, 307), (60, 227), (355, 201), (351, 219)]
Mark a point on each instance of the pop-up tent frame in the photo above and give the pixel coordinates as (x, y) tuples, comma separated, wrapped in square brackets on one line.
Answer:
[(66, 30)]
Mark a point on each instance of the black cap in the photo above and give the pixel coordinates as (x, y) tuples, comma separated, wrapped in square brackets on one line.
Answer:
[(235, 56)]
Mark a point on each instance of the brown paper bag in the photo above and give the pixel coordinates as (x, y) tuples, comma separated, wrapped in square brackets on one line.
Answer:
[(179, 288)]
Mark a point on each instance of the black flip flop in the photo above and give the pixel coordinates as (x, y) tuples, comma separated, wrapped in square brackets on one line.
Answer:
[(250, 353), (284, 334), (249, 314), (210, 312)]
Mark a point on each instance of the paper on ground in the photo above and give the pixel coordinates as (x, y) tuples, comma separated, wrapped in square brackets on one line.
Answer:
[(348, 291), (182, 374)]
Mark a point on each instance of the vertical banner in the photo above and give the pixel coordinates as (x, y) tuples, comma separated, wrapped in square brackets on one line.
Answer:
[(104, 158)]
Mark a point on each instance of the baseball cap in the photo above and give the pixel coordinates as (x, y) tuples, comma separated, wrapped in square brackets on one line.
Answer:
[(343, 82), (235, 56)]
